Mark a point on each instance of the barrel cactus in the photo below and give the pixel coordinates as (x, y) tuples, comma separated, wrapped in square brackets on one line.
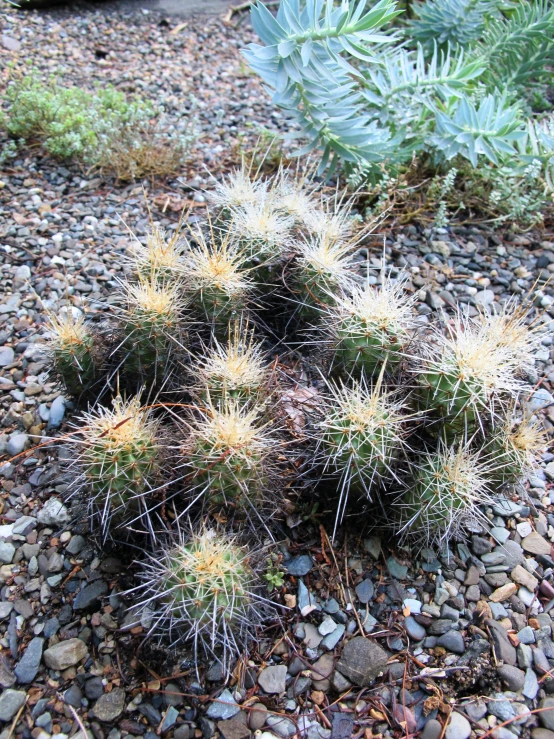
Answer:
[(151, 327), (323, 273), (361, 436), (203, 590), (236, 369), (372, 326), (161, 258), (119, 458), (229, 452), (218, 278), (75, 351), (236, 191), (450, 485), (514, 448), (262, 231)]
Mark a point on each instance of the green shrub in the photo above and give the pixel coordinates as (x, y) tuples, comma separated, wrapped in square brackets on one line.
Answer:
[(104, 129)]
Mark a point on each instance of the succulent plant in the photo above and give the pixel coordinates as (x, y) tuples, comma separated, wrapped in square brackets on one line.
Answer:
[(119, 457), (450, 485), (513, 449), (469, 369), (151, 327), (75, 351), (237, 369), (372, 326), (229, 452), (238, 190), (161, 258), (219, 278), (361, 436), (202, 589), (323, 273), (263, 233)]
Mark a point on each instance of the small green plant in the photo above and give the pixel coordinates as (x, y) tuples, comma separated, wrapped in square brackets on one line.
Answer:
[(202, 590), (371, 327), (450, 485), (75, 351), (229, 452), (274, 574), (119, 458), (102, 129), (440, 188)]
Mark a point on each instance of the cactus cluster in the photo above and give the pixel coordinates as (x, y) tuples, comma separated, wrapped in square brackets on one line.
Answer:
[(224, 323)]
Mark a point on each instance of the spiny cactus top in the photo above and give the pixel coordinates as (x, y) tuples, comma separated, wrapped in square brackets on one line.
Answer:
[(372, 326), (161, 258), (119, 454), (229, 450), (202, 590), (263, 232), (324, 269), (513, 449), (238, 190), (361, 434), (449, 487), (73, 350), (237, 369)]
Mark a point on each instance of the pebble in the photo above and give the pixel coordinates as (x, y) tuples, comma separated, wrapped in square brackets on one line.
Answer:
[(225, 706), (530, 685), (432, 729), (362, 661), (272, 679), (504, 592), (453, 641), (299, 566), (364, 591), (7, 356), (65, 654), (16, 444), (57, 412), (415, 631), (546, 718), (534, 543), (526, 635), (10, 703), (7, 551), (397, 570), (281, 725), (332, 639), (28, 666), (511, 676), (110, 705), (520, 575), (53, 513), (458, 727), (90, 595)]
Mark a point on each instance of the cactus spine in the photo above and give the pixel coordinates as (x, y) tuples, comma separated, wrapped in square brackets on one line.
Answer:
[(119, 457), (228, 451), (514, 449), (161, 259), (74, 351), (237, 369), (323, 274), (371, 327), (449, 487)]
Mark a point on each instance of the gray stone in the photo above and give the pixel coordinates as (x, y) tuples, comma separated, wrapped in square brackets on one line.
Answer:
[(503, 648), (432, 729), (57, 412), (364, 591), (513, 552), (272, 679), (524, 656), (5, 609), (530, 685), (372, 546), (94, 688), (306, 602), (547, 717), (24, 525), (332, 639), (76, 544), (10, 703), (506, 508), (362, 661), (540, 399), (323, 668), (90, 595), (484, 298), (281, 725), (7, 356), (540, 733), (500, 534), (475, 710), (16, 444), (257, 716), (511, 676), (535, 544), (453, 641), (526, 635), (29, 664), (225, 706), (65, 654), (73, 696), (440, 626), (7, 551), (493, 558), (53, 513), (110, 705), (397, 570), (327, 626), (414, 630), (299, 566), (501, 707), (458, 727)]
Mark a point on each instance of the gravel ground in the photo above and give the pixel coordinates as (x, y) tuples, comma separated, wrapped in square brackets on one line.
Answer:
[(460, 640)]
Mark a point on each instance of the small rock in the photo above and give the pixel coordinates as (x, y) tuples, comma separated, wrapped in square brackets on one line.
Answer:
[(10, 703), (7, 551), (432, 729), (547, 717), (397, 570), (299, 566), (458, 727), (281, 725), (272, 679), (110, 705), (504, 592), (234, 728), (7, 356), (540, 399), (535, 544), (16, 444), (453, 641), (90, 595), (503, 648), (362, 661), (28, 666), (225, 706), (257, 716), (520, 575), (57, 412), (73, 696), (65, 654), (327, 626), (484, 298), (531, 685), (364, 591), (512, 677), (414, 630), (53, 513), (526, 635)]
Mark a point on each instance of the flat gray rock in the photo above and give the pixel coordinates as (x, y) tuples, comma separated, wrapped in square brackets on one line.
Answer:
[(272, 679), (362, 661), (65, 654), (28, 666), (10, 703), (110, 705), (224, 707)]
